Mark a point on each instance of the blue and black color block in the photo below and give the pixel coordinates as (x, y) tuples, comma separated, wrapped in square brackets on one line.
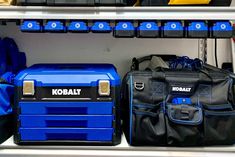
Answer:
[(124, 29), (55, 26), (197, 29), (78, 26), (31, 26), (173, 29), (221, 29), (148, 29), (101, 27)]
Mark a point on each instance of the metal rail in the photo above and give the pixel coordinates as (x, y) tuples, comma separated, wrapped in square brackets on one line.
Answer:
[(118, 13)]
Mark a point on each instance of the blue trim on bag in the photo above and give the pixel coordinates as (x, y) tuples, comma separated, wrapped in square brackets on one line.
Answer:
[(163, 105), (131, 98)]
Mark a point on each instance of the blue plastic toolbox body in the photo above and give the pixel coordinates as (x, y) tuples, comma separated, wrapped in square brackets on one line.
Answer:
[(90, 121), (47, 134), (66, 108), (70, 103)]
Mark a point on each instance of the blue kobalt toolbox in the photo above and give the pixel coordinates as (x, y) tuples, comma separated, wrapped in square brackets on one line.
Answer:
[(68, 103)]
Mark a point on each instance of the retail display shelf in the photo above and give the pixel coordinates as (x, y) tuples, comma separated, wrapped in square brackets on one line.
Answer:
[(118, 13), (8, 148)]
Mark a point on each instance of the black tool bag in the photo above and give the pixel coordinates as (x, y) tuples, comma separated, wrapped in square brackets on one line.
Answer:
[(150, 117), (6, 116), (179, 2)]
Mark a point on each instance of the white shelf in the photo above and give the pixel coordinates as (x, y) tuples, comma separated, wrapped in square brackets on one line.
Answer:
[(118, 13), (123, 150)]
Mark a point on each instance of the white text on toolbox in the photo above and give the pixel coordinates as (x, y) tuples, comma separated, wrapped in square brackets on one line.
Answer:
[(66, 91)]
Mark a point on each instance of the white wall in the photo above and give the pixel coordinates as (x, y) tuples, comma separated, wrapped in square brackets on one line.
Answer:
[(80, 48)]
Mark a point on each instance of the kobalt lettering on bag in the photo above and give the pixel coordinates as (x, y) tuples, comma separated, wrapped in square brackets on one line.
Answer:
[(66, 91), (181, 89)]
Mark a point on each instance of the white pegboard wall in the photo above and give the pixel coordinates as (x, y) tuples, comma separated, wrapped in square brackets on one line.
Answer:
[(100, 48)]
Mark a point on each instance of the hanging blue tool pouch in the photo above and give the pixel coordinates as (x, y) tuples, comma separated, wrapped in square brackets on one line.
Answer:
[(11, 62)]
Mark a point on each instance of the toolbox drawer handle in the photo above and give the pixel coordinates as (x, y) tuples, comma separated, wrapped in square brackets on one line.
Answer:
[(66, 123), (67, 137), (66, 110)]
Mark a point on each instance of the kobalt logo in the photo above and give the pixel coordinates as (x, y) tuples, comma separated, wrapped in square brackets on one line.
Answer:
[(181, 89), (66, 91)]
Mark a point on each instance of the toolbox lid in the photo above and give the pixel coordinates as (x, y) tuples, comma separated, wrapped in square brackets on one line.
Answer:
[(68, 75)]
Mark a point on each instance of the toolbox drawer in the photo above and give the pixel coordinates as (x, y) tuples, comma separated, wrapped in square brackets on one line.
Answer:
[(66, 108), (65, 134), (91, 121)]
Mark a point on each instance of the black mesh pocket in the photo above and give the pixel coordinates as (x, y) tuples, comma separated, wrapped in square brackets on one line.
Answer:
[(148, 126), (219, 127)]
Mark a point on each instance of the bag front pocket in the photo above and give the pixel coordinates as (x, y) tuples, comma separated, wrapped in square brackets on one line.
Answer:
[(148, 126), (183, 125), (219, 127)]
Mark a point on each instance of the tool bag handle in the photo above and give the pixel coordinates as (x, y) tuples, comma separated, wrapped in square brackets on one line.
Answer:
[(186, 76), (137, 61)]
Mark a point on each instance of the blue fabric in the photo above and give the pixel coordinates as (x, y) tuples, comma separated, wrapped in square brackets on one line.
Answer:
[(12, 55), (22, 61), (11, 62), (6, 93), (8, 77)]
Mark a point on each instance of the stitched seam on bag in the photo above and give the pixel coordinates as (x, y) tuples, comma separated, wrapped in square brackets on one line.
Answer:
[(131, 101), (218, 107), (217, 113)]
